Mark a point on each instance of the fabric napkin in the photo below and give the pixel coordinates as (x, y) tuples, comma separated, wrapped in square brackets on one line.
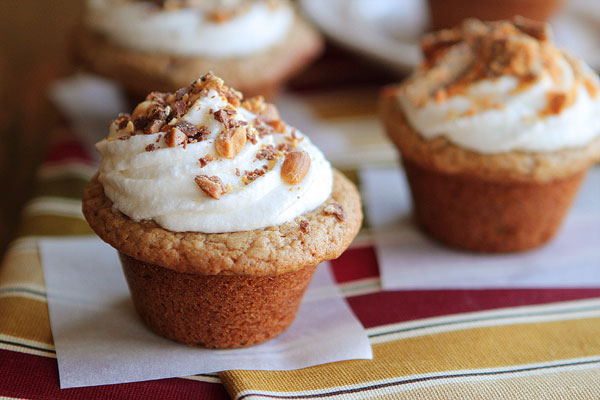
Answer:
[(99, 339), (408, 259)]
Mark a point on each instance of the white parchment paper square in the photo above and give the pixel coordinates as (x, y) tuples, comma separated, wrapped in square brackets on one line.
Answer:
[(99, 338), (408, 259)]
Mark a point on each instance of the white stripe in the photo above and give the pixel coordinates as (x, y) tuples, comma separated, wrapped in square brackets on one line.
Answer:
[(75, 169), (26, 342), (24, 285), (512, 372), (204, 378), (54, 206), (360, 287), (505, 316), (15, 292)]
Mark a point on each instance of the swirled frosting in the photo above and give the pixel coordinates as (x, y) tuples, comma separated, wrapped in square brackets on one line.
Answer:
[(500, 87), (175, 161), (192, 28)]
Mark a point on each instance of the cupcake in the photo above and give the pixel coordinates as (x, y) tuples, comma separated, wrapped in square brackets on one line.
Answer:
[(496, 130), (448, 13), (255, 45), (220, 213)]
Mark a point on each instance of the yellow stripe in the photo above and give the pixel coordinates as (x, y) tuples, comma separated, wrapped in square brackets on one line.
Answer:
[(22, 267), (26, 319), (578, 384), (477, 348), (50, 225)]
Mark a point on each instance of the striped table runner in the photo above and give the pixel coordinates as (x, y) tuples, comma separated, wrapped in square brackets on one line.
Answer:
[(427, 344)]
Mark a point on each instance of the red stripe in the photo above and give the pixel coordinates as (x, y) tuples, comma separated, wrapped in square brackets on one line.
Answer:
[(355, 264), (397, 306), (35, 377), (67, 150)]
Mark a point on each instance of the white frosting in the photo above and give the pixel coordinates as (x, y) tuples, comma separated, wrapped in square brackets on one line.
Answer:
[(159, 184), (187, 31), (518, 123)]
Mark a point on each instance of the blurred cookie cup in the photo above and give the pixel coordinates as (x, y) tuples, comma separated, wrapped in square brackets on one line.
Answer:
[(255, 45), (496, 130)]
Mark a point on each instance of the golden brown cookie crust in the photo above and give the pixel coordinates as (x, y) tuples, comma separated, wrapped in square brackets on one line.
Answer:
[(517, 166), (273, 250), (254, 74)]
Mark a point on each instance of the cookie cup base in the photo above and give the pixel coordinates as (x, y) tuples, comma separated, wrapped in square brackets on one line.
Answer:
[(214, 311), (481, 215)]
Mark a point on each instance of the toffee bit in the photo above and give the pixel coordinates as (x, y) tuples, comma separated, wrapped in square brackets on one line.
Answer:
[(205, 160), (140, 123), (160, 113), (211, 185), (283, 147), (187, 128), (336, 210), (158, 138), (233, 97), (122, 120), (175, 137), (251, 137), (237, 172), (150, 147), (158, 98), (154, 126), (277, 125), (180, 93), (222, 116), (202, 133), (179, 108), (235, 123), (207, 76), (267, 153), (250, 176), (305, 226), (294, 140), (262, 127)]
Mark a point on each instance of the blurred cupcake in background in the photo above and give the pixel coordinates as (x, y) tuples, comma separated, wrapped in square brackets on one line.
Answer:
[(255, 45), (496, 130), (448, 13)]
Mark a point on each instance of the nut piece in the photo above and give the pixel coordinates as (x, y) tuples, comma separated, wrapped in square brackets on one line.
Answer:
[(175, 137), (230, 142), (305, 226), (335, 209), (295, 167), (211, 185)]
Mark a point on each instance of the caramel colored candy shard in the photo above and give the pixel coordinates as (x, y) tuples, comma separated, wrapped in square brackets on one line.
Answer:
[(231, 142), (175, 137), (211, 185), (295, 167)]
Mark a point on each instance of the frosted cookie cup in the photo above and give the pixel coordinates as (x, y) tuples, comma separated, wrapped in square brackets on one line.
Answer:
[(496, 130), (218, 239), (256, 46)]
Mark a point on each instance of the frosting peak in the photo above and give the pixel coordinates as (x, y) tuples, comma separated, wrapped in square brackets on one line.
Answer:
[(201, 159), (502, 86)]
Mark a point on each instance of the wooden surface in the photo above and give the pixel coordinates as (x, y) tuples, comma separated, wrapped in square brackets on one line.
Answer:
[(33, 52)]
